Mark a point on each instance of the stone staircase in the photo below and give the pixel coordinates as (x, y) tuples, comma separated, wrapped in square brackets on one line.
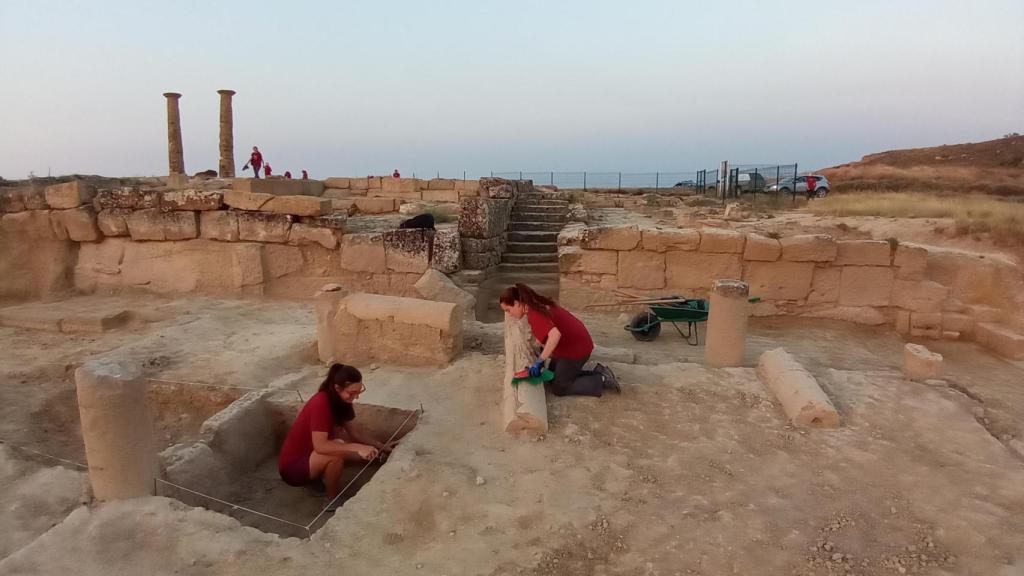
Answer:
[(531, 254)]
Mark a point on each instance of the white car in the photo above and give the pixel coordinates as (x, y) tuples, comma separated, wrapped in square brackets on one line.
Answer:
[(821, 186)]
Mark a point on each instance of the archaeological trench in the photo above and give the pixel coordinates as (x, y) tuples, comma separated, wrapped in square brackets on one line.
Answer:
[(853, 406)]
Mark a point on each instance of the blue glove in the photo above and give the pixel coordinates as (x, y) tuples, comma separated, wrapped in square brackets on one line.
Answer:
[(537, 368)]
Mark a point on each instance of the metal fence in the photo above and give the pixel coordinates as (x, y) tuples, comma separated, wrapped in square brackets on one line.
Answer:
[(614, 180)]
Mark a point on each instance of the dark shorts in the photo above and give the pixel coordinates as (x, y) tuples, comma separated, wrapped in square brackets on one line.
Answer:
[(296, 472)]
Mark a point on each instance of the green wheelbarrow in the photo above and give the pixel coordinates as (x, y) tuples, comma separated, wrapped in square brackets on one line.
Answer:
[(676, 310)]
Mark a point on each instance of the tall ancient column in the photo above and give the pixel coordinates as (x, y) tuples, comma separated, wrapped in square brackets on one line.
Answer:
[(227, 137), (175, 154)]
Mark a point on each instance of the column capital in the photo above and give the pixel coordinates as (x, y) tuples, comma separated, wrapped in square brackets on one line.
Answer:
[(228, 92), (172, 95)]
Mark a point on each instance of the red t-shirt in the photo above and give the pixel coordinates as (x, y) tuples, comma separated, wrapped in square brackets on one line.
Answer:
[(256, 159), (315, 417), (575, 343)]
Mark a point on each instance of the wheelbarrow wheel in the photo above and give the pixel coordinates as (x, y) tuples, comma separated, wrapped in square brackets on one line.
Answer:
[(645, 326)]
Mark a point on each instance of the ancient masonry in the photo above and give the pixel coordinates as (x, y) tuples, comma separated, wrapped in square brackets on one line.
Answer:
[(175, 153), (226, 166)]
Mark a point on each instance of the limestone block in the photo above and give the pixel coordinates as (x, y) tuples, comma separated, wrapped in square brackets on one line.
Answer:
[(721, 241), (919, 295), (621, 237), (479, 260), (391, 329), (363, 253), (441, 184), (368, 183), (99, 264), (34, 197), (483, 217), (803, 400), (956, 322), (697, 270), (447, 250), (12, 200), (725, 344), (780, 280), (302, 234), (341, 183), (69, 194), (497, 188), (920, 364), (113, 221), (336, 221), (77, 224), (117, 429), (263, 227), (191, 199), (441, 195), (241, 200), (865, 315), (824, 286), (912, 260), (576, 259), (470, 186), (808, 248), (762, 248), (312, 187), (376, 205), (863, 253), (641, 269), (202, 266), (524, 407), (400, 185), (30, 225), (409, 250), (298, 205), (277, 187), (864, 285), (480, 245), (218, 225), (1000, 339), (903, 322), (983, 313), (240, 434), (127, 197), (343, 193), (436, 286), (926, 324), (153, 224), (572, 234)]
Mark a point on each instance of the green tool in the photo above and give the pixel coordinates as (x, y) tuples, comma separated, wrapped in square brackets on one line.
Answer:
[(545, 376)]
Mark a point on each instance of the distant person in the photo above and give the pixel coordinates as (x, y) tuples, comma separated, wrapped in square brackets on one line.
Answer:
[(396, 174), (287, 175), (812, 185), (305, 175), (256, 161), (266, 170)]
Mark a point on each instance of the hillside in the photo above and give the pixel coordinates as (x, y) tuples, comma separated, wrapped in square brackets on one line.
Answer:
[(992, 167)]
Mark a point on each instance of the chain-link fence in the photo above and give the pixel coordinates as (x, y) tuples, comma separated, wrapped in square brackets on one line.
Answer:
[(679, 179)]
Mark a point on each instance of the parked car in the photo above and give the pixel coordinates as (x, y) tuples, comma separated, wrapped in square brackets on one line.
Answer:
[(749, 182), (685, 184), (787, 186)]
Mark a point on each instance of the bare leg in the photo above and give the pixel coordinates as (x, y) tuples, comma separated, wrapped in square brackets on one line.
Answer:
[(329, 467)]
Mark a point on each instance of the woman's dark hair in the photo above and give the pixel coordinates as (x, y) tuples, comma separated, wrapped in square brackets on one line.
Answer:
[(340, 375), (522, 293)]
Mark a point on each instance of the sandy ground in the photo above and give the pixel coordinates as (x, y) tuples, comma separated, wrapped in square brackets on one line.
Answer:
[(690, 471)]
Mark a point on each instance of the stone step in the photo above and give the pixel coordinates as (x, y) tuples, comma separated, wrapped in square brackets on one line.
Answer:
[(541, 202), (519, 258), (521, 207), (536, 226), (532, 236), (545, 196), (531, 247), (512, 268), (518, 216)]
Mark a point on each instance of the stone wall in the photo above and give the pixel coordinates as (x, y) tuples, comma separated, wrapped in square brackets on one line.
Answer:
[(378, 195), (922, 291), (484, 219)]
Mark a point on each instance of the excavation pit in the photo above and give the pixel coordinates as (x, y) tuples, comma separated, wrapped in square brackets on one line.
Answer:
[(233, 467)]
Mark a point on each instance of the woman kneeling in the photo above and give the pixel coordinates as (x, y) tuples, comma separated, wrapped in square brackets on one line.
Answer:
[(325, 434)]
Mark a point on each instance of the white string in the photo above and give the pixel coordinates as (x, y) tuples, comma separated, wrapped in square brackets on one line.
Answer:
[(301, 399), (233, 506), (83, 466)]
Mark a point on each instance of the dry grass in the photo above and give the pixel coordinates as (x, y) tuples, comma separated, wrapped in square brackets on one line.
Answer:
[(875, 177), (973, 213)]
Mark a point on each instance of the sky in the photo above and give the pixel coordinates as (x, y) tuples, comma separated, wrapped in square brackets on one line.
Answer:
[(356, 88)]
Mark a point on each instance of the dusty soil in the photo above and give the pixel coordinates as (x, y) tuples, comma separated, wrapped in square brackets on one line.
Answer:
[(691, 470)]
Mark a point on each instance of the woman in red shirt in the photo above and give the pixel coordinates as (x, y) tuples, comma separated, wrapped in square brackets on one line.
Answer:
[(566, 342), (325, 435)]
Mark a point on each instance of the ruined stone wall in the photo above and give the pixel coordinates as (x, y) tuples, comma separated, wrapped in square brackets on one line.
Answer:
[(922, 291), (378, 195), (484, 219)]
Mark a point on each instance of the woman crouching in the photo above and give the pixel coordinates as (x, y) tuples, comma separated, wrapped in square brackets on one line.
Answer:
[(325, 434)]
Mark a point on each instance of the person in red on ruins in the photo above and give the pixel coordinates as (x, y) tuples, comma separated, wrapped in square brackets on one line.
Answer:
[(565, 340), (266, 170), (812, 185), (256, 161), (305, 175), (396, 174), (325, 436), (287, 175)]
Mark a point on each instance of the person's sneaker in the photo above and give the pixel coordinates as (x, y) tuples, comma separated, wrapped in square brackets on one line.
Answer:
[(338, 503), (316, 487), (610, 381)]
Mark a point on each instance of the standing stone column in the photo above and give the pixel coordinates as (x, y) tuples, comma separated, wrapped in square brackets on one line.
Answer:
[(727, 324), (117, 429), (175, 154), (227, 137)]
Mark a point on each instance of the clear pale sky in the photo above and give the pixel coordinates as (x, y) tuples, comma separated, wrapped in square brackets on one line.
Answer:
[(353, 88)]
